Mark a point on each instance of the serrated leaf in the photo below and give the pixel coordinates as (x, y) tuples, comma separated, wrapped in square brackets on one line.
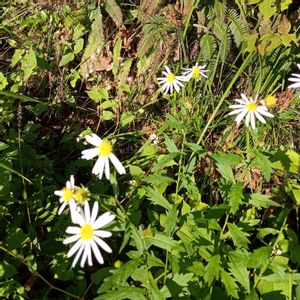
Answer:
[(157, 179), (17, 57), (66, 59), (239, 237), (165, 160), (227, 159), (155, 196), (230, 284), (226, 172), (263, 163), (241, 274), (114, 10), (136, 171), (95, 41), (287, 160), (207, 46), (260, 200), (123, 292), (259, 257), (3, 82), (212, 269), (235, 197), (163, 241), (170, 144)]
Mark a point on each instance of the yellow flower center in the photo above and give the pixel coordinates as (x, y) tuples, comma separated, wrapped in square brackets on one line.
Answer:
[(105, 148), (86, 232), (270, 100), (67, 194), (170, 77), (251, 106), (196, 72), (81, 195)]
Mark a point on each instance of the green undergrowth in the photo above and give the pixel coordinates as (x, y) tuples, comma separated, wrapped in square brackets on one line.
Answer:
[(207, 209)]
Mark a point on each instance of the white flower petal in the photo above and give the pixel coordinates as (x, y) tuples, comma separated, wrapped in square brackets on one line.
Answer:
[(252, 118), (61, 209), (73, 230), (240, 117), (247, 119), (103, 220), (89, 153), (79, 252), (87, 249), (58, 193), (94, 140), (102, 233), (244, 97), (294, 85), (237, 111), (96, 252), (102, 244), (117, 164), (94, 212), (72, 239), (99, 166), (87, 213), (265, 113), (259, 117)]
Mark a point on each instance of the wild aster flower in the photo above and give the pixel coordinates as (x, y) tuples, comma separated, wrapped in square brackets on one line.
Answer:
[(196, 72), (67, 196), (81, 195), (87, 236), (295, 79), (250, 109), (170, 81), (103, 149)]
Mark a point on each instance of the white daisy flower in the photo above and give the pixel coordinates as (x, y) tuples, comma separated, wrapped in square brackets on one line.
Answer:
[(250, 109), (67, 196), (103, 149), (87, 235), (295, 79), (170, 82), (196, 72)]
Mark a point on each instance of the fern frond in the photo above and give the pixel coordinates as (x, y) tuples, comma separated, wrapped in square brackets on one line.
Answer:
[(237, 26)]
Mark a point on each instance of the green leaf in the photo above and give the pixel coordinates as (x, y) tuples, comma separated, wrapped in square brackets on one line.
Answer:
[(154, 195), (157, 179), (17, 57), (116, 55), (226, 172), (97, 94), (66, 59), (165, 160), (108, 104), (162, 241), (212, 269), (6, 167), (123, 292), (260, 201), (263, 163), (28, 64), (126, 118), (78, 45), (287, 160), (230, 284), (107, 115), (241, 274), (16, 238), (170, 144), (235, 197), (207, 46), (114, 10), (227, 159), (259, 257), (7, 270), (3, 82), (239, 237)]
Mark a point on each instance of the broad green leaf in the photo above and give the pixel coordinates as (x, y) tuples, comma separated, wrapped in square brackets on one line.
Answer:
[(287, 160), (230, 284), (17, 57), (78, 31), (16, 238), (263, 163), (226, 172), (97, 94), (157, 179), (260, 200), (108, 103), (259, 257), (28, 63), (163, 241), (170, 221), (66, 59), (212, 269), (165, 160), (227, 159), (235, 197), (183, 279), (107, 115), (123, 292), (155, 196), (170, 144), (241, 274), (136, 171), (7, 270), (207, 46), (155, 292), (239, 237), (78, 45)]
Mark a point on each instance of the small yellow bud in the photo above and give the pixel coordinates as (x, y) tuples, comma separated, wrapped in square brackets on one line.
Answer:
[(270, 100), (118, 264)]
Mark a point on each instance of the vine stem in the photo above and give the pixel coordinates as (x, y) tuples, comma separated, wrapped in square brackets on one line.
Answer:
[(50, 285)]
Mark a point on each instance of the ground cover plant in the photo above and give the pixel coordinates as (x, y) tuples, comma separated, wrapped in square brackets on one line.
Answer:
[(149, 149)]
